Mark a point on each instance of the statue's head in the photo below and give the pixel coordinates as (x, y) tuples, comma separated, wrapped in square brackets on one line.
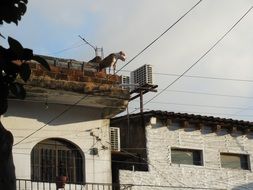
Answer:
[(122, 56)]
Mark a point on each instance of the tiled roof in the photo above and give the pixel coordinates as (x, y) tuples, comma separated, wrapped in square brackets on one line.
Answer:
[(199, 118), (194, 119)]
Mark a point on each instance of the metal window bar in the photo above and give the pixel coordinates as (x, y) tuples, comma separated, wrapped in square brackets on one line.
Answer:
[(26, 184)]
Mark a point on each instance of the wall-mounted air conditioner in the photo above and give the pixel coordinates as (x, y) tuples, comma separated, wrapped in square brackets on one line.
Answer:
[(115, 138), (142, 75)]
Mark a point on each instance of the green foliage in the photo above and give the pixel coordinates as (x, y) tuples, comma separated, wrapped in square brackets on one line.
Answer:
[(12, 10)]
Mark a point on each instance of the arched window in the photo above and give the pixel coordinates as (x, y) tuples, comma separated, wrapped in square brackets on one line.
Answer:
[(55, 157)]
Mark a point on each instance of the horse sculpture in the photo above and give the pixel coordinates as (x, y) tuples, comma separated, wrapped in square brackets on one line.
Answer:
[(109, 61)]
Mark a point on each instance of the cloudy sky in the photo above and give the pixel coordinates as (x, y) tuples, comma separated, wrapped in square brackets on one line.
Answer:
[(221, 84)]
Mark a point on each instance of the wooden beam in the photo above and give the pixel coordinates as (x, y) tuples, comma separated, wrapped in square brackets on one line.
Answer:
[(216, 128), (199, 126), (245, 131), (232, 129), (168, 122), (185, 124)]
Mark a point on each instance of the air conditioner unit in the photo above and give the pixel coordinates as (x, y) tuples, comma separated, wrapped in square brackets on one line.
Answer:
[(115, 138), (142, 75), (125, 82)]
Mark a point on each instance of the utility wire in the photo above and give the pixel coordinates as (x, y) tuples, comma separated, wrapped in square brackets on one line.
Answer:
[(66, 49), (201, 77), (145, 160), (210, 49), (210, 94), (115, 73), (199, 105), (54, 118), (159, 36)]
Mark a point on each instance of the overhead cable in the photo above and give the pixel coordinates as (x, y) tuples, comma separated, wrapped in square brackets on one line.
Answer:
[(195, 63), (159, 36)]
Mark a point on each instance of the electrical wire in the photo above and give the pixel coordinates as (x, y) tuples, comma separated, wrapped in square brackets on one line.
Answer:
[(54, 118), (210, 94), (66, 49), (200, 105), (158, 171), (159, 36), (115, 73), (195, 63), (199, 77)]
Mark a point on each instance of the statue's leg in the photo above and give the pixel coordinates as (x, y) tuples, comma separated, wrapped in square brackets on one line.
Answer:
[(114, 68)]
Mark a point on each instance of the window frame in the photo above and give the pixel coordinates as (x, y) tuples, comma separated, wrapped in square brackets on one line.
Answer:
[(192, 150), (47, 155), (247, 156)]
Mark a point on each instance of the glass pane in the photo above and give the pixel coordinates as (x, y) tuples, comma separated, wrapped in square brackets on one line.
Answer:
[(182, 157), (234, 161), (244, 162)]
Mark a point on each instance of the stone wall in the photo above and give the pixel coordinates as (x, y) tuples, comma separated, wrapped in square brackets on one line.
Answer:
[(73, 79), (163, 174)]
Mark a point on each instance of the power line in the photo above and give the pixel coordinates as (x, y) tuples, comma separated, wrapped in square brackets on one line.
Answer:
[(199, 105), (159, 36), (66, 49), (210, 49), (210, 94), (204, 77), (157, 170), (54, 118), (115, 73), (199, 76)]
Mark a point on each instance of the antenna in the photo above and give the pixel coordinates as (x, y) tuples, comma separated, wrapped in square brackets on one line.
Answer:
[(98, 51)]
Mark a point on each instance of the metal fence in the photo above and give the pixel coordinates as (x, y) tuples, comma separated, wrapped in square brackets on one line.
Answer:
[(25, 184)]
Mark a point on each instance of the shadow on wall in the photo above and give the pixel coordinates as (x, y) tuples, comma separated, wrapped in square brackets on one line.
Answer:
[(45, 113), (244, 187)]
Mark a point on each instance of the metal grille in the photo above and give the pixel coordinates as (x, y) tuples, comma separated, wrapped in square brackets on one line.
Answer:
[(115, 138), (24, 184), (51, 158)]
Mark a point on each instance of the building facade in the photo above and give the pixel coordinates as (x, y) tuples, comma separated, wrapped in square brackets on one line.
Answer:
[(184, 152), (62, 127)]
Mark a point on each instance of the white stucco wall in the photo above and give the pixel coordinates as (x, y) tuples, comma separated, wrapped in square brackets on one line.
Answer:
[(24, 118), (163, 173)]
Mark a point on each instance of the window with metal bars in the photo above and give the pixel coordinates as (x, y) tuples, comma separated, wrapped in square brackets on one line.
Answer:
[(55, 157)]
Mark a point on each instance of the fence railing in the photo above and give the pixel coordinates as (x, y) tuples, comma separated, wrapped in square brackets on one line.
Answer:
[(25, 184)]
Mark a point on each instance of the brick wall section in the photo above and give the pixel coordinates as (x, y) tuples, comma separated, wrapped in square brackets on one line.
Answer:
[(75, 80)]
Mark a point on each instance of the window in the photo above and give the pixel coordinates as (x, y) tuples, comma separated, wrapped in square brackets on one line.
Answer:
[(186, 156), (234, 161), (54, 157)]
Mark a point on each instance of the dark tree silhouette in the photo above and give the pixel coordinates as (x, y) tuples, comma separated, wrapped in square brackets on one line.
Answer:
[(13, 63), (12, 10)]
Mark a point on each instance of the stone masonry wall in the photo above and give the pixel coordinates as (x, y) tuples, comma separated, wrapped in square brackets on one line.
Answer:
[(72, 79), (163, 174)]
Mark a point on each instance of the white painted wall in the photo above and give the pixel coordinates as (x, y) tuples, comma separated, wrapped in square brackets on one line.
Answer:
[(24, 118), (162, 172)]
